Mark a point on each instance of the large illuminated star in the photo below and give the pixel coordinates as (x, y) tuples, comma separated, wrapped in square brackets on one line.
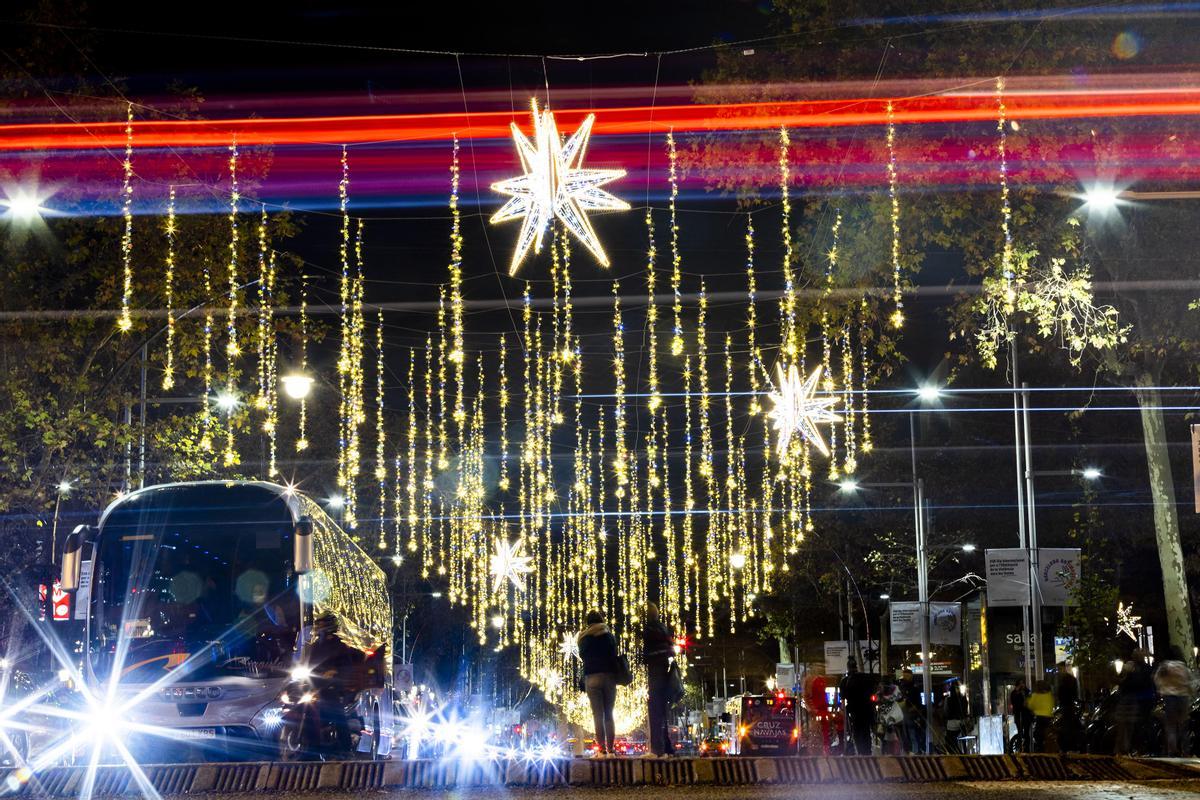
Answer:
[(797, 410), (569, 647), (555, 185), (1128, 623), (509, 563)]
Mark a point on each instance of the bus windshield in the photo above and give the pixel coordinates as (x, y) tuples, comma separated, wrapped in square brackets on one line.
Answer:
[(194, 578)]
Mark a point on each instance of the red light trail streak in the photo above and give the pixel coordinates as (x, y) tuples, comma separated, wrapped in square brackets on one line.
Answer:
[(641, 119)]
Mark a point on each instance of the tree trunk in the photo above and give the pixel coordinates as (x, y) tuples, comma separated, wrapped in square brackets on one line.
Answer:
[(1166, 519)]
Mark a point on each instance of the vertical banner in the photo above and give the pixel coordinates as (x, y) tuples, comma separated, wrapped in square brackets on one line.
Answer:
[(905, 627), (1196, 465), (945, 623), (1058, 575), (1007, 577)]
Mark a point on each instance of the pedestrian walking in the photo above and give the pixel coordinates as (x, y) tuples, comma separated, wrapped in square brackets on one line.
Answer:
[(598, 651), (1135, 699), (1018, 699), (857, 688), (1175, 683), (1041, 707), (914, 713), (658, 651)]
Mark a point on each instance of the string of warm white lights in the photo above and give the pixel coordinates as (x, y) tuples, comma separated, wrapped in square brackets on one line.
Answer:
[(897, 317), (302, 426), (206, 415), (168, 378), (1007, 274), (229, 456), (125, 321)]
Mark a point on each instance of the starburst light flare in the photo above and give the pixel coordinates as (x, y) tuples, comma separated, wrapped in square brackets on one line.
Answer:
[(509, 563), (798, 411), (569, 647), (555, 185)]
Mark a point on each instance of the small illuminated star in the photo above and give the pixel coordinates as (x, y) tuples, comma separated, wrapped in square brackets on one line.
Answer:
[(569, 647), (797, 410), (1127, 622), (555, 185), (509, 563)]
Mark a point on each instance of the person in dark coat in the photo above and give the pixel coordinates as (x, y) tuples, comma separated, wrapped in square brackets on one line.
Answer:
[(1070, 732), (856, 689), (658, 648), (598, 651), (1135, 700), (1022, 716)]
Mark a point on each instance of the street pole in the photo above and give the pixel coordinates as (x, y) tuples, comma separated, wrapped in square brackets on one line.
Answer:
[(922, 582), (1035, 596), (1020, 503)]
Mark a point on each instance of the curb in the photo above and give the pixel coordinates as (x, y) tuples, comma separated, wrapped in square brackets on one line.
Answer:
[(196, 779)]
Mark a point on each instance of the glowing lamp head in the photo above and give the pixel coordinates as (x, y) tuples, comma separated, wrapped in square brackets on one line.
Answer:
[(929, 392), (885, 596), (64, 487), (849, 485), (968, 548), (227, 402), (737, 560), (1101, 198), (1091, 473), (301, 673), (23, 207), (498, 621), (335, 502), (296, 386)]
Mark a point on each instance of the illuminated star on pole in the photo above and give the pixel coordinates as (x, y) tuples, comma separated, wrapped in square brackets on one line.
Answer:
[(569, 647), (797, 410), (555, 185), (509, 563), (1128, 623)]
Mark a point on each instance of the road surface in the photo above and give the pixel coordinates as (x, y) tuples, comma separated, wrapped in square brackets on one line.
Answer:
[(975, 790)]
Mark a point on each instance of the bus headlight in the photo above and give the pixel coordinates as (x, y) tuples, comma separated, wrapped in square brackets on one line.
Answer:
[(301, 673)]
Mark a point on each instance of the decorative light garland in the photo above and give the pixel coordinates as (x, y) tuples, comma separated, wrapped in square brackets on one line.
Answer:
[(302, 428), (897, 318), (125, 320), (206, 415), (790, 349), (271, 353), (229, 456), (676, 275), (380, 434), (168, 379), (1007, 275)]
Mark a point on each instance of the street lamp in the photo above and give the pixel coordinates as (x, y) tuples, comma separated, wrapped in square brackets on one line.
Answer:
[(296, 386), (929, 393), (968, 548), (227, 402), (1091, 473), (1101, 198), (23, 206), (848, 485)]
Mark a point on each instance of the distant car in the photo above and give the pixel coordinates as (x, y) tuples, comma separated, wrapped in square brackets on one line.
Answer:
[(713, 746)]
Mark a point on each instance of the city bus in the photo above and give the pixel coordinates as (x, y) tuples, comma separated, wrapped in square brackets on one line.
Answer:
[(222, 608)]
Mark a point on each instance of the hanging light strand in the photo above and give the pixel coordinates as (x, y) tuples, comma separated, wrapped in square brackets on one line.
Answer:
[(787, 305), (125, 320), (381, 473), (676, 259), (827, 337), (271, 423), (230, 456), (168, 379), (897, 318), (1007, 276), (206, 415), (302, 433), (260, 341)]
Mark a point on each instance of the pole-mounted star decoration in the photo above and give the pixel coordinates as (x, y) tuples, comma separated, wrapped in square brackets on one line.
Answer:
[(1128, 623), (798, 411), (555, 185), (569, 647), (509, 563)]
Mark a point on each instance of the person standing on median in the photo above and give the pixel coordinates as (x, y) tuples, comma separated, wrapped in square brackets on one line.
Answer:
[(598, 651), (658, 648), (856, 690)]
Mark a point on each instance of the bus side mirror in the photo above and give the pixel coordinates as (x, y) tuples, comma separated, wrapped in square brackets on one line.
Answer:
[(302, 553), (72, 560)]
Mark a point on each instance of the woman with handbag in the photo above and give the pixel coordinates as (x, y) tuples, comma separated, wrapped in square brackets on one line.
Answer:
[(662, 679), (598, 651)]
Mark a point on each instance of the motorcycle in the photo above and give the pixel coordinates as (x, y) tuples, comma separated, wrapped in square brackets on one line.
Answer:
[(317, 721)]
